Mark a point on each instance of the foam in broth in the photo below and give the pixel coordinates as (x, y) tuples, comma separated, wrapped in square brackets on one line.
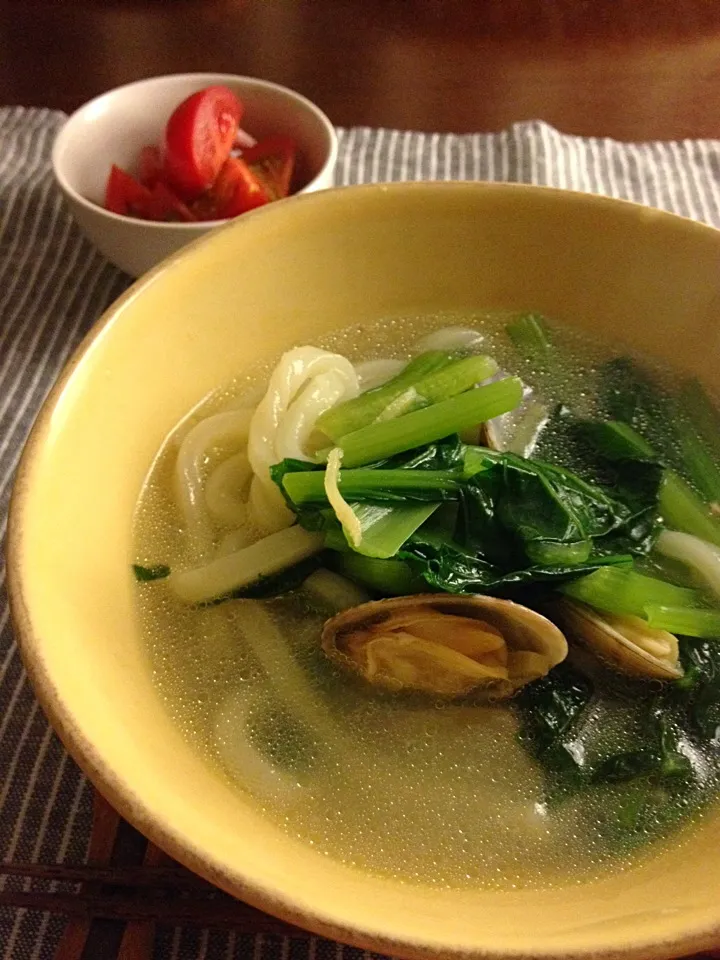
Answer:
[(423, 791)]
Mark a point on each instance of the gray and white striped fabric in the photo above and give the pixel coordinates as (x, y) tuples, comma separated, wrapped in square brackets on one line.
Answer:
[(53, 285)]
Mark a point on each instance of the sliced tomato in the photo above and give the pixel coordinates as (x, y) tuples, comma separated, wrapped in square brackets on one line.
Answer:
[(166, 206), (236, 190), (125, 195), (272, 160), (198, 139), (150, 166)]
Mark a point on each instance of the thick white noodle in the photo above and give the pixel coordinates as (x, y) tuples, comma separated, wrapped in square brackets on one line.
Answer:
[(266, 513), (334, 591), (374, 373), (271, 437), (232, 571), (291, 684), (242, 760), (700, 556), (450, 339), (225, 491), (235, 540), (291, 689), (294, 429), (231, 427)]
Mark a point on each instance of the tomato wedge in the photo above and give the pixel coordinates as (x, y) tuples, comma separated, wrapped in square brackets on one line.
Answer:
[(150, 166), (272, 160), (124, 195), (236, 190), (165, 206), (198, 139)]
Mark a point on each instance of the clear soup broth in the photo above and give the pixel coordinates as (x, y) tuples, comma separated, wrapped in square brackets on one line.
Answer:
[(403, 784)]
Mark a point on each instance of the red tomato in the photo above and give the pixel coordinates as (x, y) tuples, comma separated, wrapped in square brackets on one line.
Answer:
[(198, 139), (123, 194), (236, 190), (150, 166), (272, 160), (166, 206)]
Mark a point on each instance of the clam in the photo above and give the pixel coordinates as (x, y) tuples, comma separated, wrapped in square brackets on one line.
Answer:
[(444, 644), (625, 642), (488, 435)]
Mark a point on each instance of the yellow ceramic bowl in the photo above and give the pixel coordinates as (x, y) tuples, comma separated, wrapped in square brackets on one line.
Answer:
[(284, 276)]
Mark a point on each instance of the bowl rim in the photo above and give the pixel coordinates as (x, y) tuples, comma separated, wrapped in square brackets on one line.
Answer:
[(66, 134), (122, 794)]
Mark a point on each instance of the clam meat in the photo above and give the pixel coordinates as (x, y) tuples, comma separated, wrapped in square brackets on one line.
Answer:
[(445, 645), (625, 642)]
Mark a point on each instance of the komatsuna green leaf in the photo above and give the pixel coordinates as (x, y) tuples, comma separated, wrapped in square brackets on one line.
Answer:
[(551, 706), (387, 517), (447, 454), (675, 427), (385, 527), (145, 574), (445, 458), (445, 566), (698, 691), (522, 521), (541, 502), (609, 451), (566, 726)]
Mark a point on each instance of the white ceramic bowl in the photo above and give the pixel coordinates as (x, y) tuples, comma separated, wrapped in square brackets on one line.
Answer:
[(114, 127)]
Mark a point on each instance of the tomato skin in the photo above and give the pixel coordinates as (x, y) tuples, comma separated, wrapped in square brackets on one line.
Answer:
[(125, 195), (166, 207), (130, 198), (150, 166), (240, 188), (272, 160), (235, 190), (198, 139), (195, 175)]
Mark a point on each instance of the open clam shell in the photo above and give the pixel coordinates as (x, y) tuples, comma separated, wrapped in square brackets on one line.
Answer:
[(445, 645), (626, 643)]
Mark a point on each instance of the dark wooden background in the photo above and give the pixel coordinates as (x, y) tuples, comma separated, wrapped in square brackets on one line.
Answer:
[(631, 69)]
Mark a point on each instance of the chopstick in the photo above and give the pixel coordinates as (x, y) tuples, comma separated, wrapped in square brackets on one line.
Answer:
[(108, 887), (103, 836), (172, 907), (220, 910), (166, 894), (132, 885), (138, 938), (177, 877)]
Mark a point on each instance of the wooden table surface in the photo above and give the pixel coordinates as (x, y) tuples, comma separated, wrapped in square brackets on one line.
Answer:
[(631, 69)]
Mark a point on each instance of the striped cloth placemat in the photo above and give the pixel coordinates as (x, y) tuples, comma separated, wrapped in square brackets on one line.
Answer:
[(53, 285)]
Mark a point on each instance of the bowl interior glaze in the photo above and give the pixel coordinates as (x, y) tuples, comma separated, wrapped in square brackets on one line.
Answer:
[(284, 276)]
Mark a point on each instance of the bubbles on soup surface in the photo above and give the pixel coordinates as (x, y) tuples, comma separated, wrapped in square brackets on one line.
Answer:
[(433, 793)]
